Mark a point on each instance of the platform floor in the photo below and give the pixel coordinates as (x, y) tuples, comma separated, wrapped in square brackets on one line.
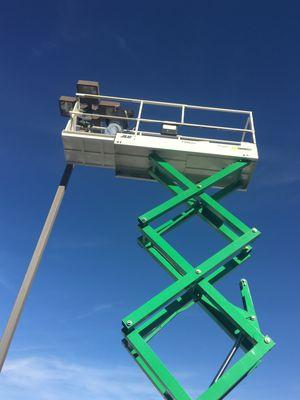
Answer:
[(128, 154)]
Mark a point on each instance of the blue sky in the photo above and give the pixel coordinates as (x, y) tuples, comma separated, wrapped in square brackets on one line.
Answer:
[(227, 54)]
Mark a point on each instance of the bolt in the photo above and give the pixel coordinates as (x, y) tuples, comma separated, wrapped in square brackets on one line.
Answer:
[(243, 282), (253, 318), (247, 248), (254, 230), (144, 219), (199, 186), (198, 271), (267, 339), (129, 323)]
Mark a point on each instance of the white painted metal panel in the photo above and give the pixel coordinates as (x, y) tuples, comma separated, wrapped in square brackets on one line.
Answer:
[(128, 152), (89, 149), (196, 159)]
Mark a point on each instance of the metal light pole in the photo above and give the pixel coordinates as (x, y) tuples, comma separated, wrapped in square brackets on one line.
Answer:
[(33, 265)]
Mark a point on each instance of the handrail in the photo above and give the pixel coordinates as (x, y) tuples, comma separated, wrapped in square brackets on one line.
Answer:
[(225, 128), (163, 103), (248, 128)]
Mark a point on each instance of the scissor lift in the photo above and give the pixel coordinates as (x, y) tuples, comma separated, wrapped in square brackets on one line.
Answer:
[(157, 149)]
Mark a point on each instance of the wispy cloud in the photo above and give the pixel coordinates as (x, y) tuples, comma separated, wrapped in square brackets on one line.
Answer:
[(95, 310), (9, 260), (55, 379), (40, 378), (280, 179), (4, 283), (87, 243), (124, 46), (276, 171)]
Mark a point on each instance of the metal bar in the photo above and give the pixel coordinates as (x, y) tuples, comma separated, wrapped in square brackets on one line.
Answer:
[(172, 255), (191, 278), (217, 223), (226, 190), (154, 363), (224, 213), (248, 302), (149, 328), (229, 266), (236, 373), (139, 117), (246, 126), (165, 180), (84, 134), (252, 128), (167, 320), (158, 121), (149, 373), (164, 103), (227, 324), (175, 221), (169, 204), (33, 266), (231, 311), (166, 264), (227, 360), (203, 212), (73, 118), (182, 114), (160, 300), (170, 170), (191, 192)]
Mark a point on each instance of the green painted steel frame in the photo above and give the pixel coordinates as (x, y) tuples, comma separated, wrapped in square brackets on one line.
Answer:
[(194, 284)]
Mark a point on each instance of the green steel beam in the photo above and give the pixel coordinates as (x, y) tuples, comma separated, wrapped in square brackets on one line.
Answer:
[(187, 280), (168, 169), (224, 213), (226, 190), (175, 221), (149, 373), (169, 204), (194, 284), (231, 311), (156, 365), (236, 373), (182, 265), (167, 265), (190, 192), (248, 302), (153, 325), (207, 213)]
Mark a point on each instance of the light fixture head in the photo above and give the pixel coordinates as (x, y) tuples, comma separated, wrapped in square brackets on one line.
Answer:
[(87, 87), (108, 103), (66, 104), (168, 129)]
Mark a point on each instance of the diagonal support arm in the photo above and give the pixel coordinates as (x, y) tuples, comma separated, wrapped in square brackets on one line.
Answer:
[(248, 302)]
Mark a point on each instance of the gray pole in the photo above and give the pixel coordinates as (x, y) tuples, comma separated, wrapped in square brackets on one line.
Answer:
[(228, 359), (33, 265)]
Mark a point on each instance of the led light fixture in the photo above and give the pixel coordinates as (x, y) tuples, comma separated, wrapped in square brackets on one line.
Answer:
[(66, 104), (87, 87)]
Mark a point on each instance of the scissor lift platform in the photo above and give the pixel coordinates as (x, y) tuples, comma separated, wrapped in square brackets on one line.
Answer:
[(128, 152), (161, 149)]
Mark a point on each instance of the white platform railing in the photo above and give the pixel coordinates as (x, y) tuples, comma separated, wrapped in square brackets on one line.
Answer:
[(247, 133)]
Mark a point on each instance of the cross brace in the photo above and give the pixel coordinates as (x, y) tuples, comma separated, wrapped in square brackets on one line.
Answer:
[(194, 284)]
